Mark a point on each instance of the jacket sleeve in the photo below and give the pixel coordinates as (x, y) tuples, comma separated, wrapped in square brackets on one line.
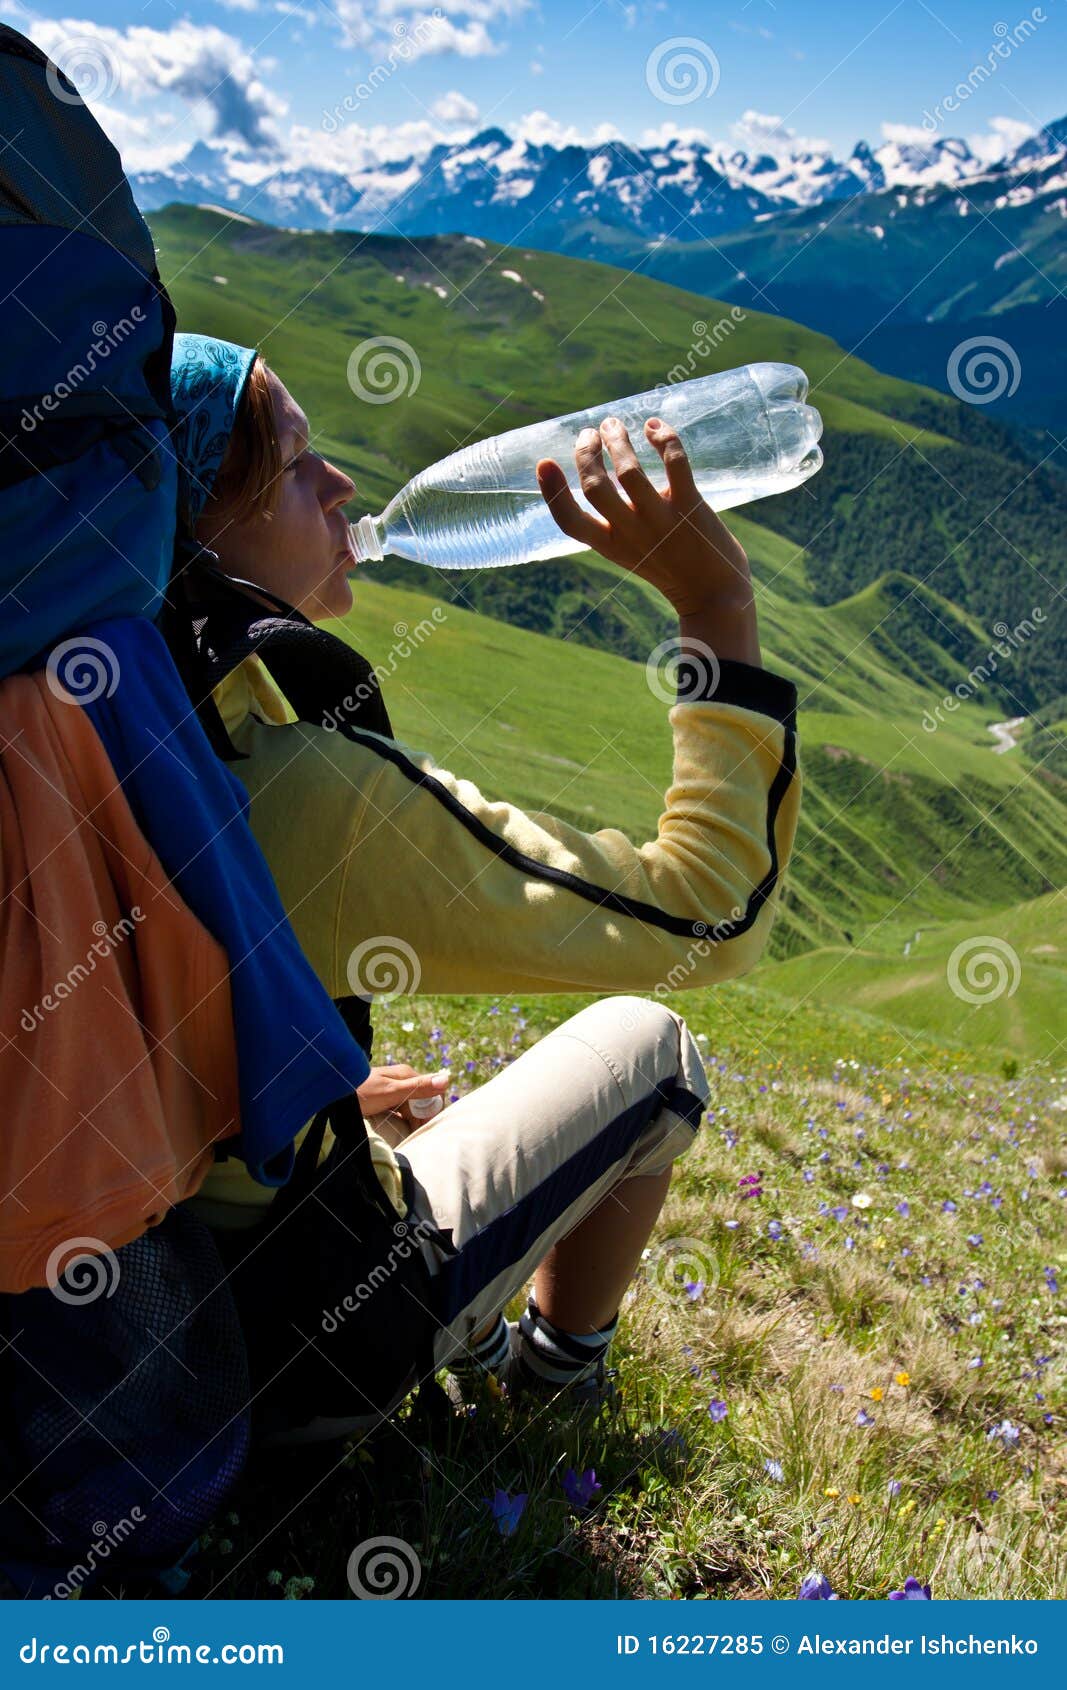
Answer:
[(402, 876)]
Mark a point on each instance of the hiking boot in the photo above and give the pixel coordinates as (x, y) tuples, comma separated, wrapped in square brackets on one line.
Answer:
[(589, 1395)]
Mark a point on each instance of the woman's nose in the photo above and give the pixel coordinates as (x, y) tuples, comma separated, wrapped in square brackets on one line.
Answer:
[(339, 486)]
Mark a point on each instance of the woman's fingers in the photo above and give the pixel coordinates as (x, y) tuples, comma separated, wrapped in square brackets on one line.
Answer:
[(595, 479), (645, 499), (685, 495), (568, 513)]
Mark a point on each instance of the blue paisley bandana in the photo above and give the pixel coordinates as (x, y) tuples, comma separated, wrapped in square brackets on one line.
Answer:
[(207, 379)]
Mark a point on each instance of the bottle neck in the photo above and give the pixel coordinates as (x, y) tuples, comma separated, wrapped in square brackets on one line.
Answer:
[(366, 539)]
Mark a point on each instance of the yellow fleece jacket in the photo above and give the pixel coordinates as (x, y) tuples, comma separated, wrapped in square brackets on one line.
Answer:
[(546, 907)]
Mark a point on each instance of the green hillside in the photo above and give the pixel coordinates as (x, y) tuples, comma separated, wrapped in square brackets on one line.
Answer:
[(997, 979), (914, 481), (910, 818)]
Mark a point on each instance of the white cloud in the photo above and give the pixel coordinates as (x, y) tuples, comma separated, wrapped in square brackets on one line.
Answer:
[(203, 66), (541, 130), (455, 107), (669, 132), (760, 132), (450, 26), (1005, 134)]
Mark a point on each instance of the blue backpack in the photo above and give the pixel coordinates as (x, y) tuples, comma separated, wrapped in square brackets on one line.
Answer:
[(123, 1418)]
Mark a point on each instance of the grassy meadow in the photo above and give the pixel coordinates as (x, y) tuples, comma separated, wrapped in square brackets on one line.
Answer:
[(880, 1331)]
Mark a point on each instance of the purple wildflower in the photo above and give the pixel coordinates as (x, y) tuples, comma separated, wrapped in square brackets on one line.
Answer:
[(717, 1409), (749, 1186), (774, 1470), (580, 1488), (1005, 1434), (948, 1207), (694, 1289), (864, 1419), (974, 1239), (816, 1588), (904, 1208), (774, 1229), (506, 1510), (913, 1592), (893, 1487)]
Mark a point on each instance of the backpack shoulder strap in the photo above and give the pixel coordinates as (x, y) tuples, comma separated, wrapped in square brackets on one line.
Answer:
[(215, 621)]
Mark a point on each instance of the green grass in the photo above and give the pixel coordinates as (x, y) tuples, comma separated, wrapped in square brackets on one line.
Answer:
[(796, 1334), (998, 979)]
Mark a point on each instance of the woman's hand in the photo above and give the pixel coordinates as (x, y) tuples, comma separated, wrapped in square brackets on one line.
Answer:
[(672, 539), (388, 1092)]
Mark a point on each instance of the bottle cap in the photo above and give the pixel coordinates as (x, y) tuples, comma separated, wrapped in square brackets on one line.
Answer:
[(424, 1108), (364, 536)]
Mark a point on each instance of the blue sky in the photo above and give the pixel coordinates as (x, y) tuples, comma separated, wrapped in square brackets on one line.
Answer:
[(333, 82)]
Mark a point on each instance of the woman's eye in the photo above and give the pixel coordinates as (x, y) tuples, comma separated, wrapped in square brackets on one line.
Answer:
[(291, 465)]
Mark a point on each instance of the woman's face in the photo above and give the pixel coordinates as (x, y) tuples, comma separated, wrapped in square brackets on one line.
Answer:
[(301, 552)]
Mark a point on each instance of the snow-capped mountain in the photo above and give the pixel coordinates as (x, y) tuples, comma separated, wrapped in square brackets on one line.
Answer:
[(504, 189)]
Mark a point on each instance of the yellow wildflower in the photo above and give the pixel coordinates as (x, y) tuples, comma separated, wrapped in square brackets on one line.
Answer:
[(877, 1394), (902, 1378), (907, 1508), (854, 1498), (832, 1492)]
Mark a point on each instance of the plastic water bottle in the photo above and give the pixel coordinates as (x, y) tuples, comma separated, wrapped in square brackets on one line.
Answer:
[(747, 432)]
